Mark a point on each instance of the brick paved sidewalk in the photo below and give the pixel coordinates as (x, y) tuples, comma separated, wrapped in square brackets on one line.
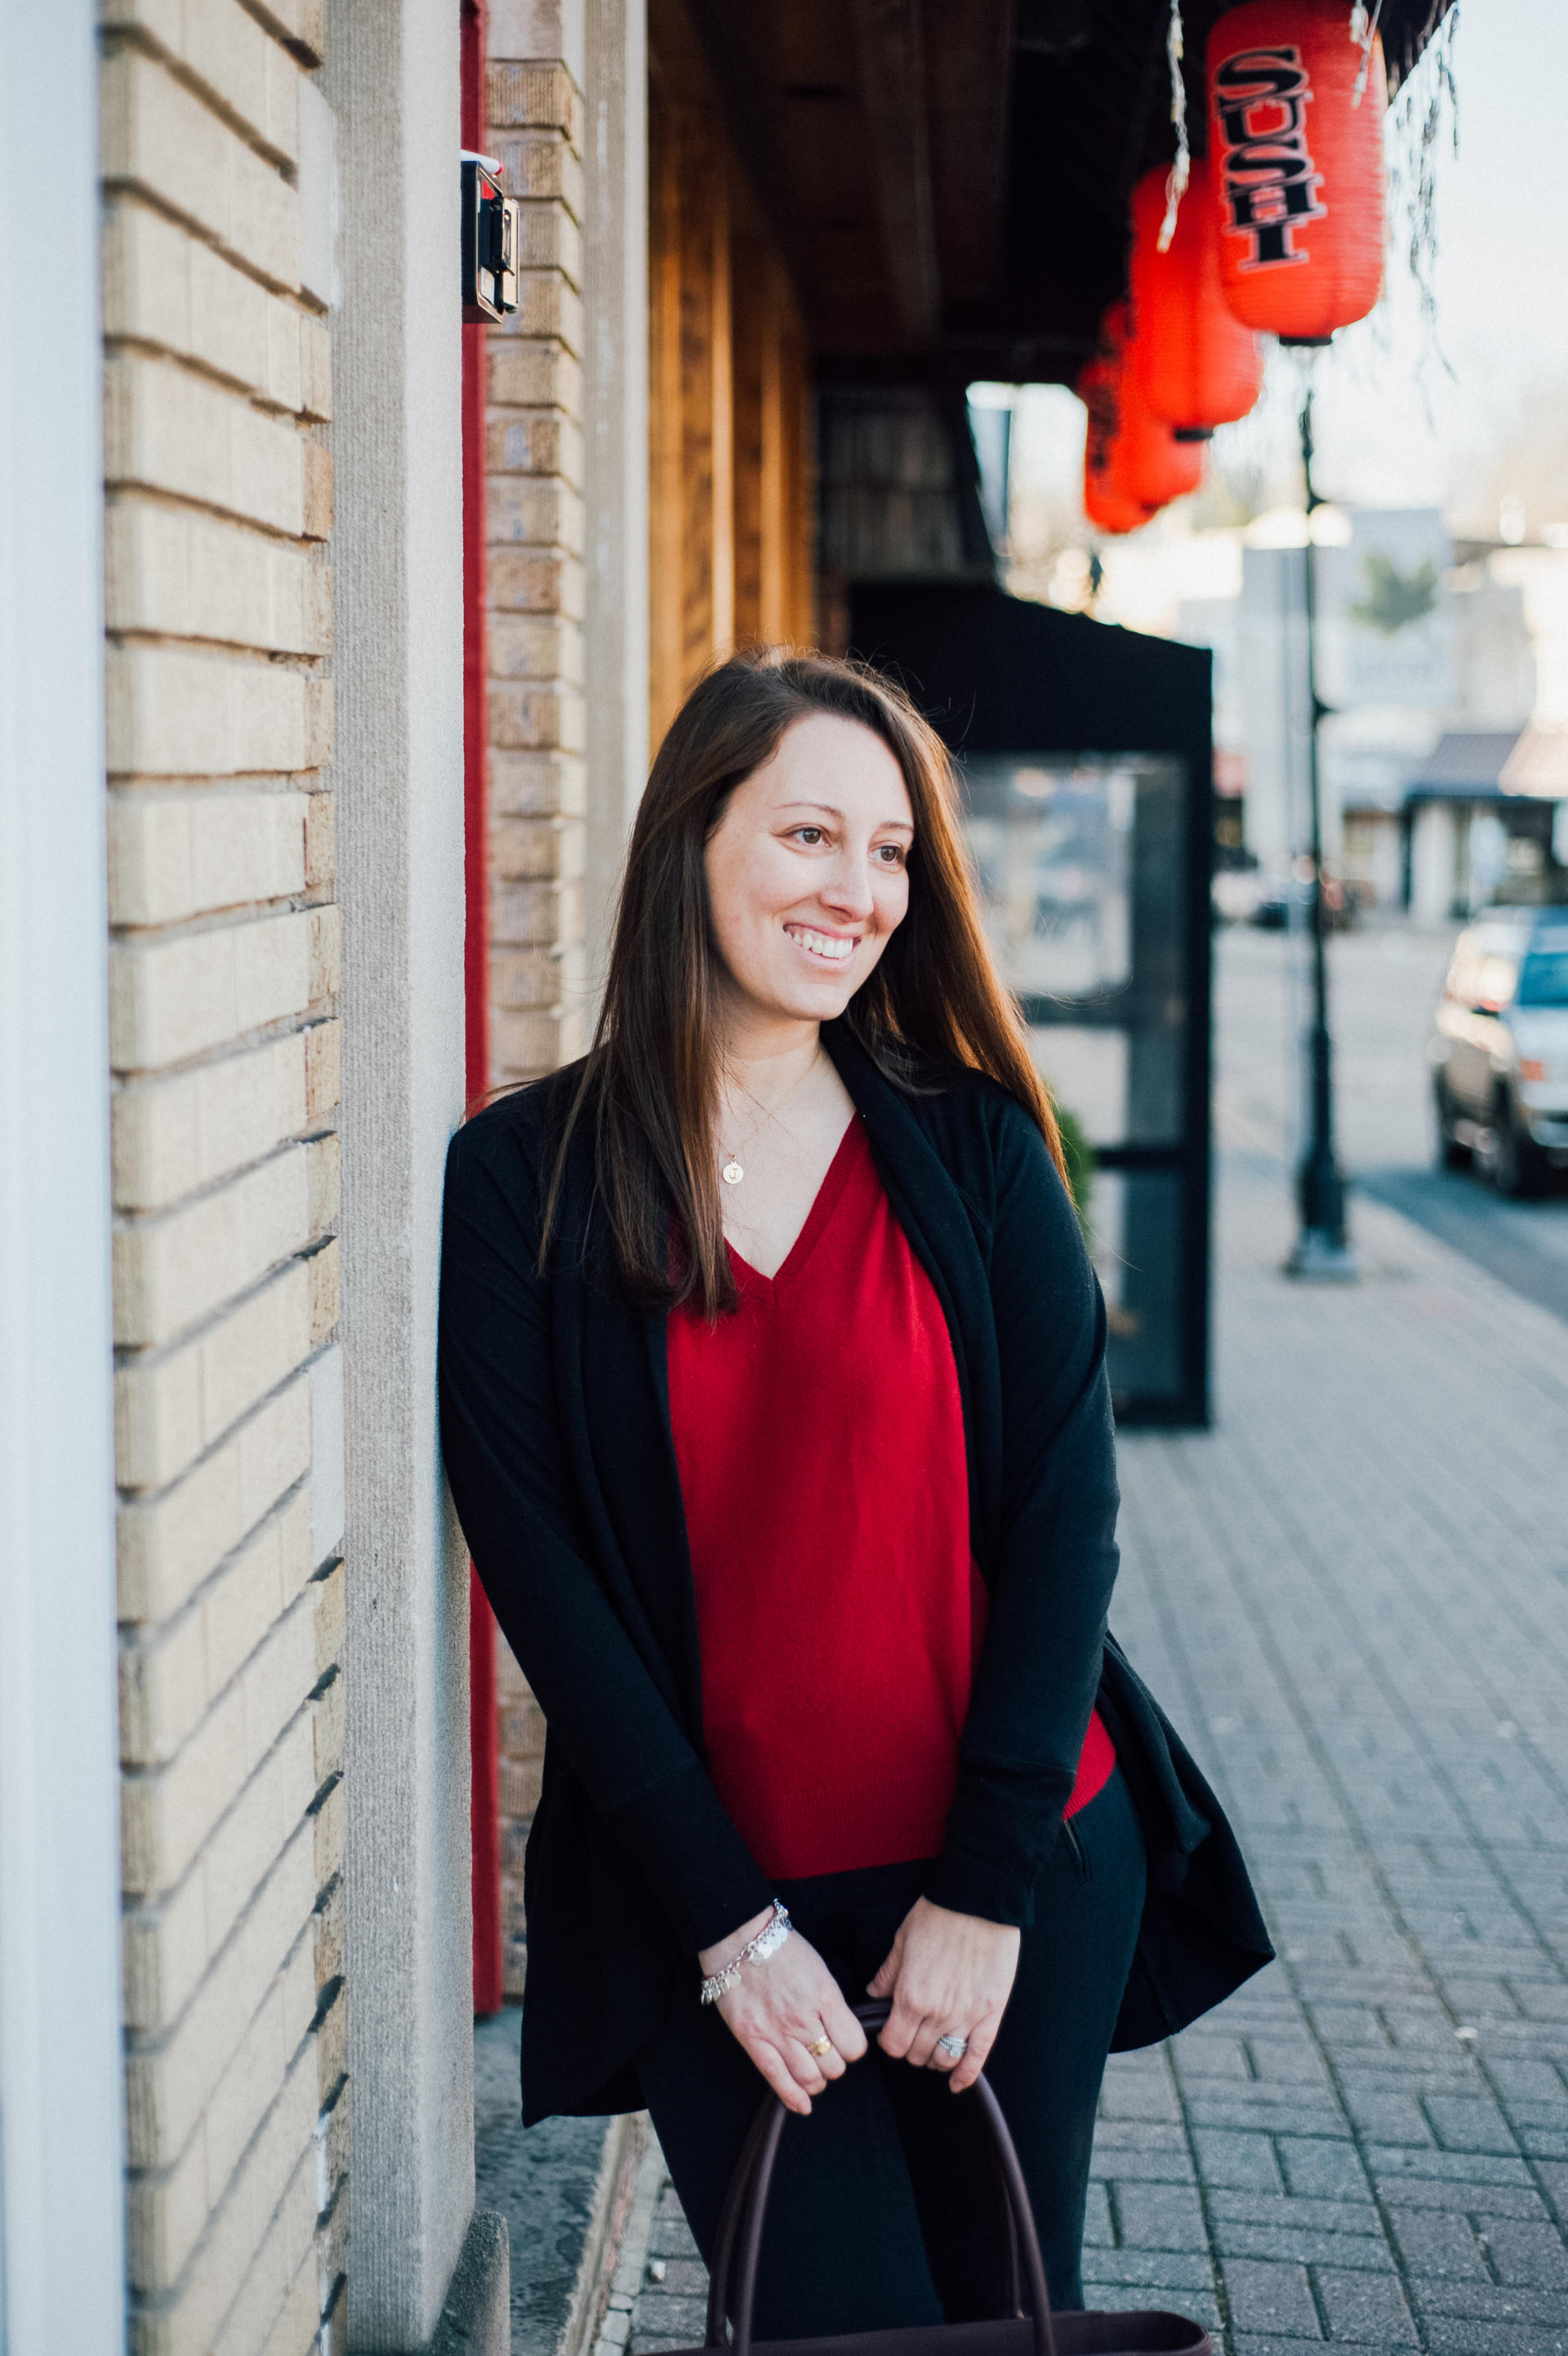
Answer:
[(1351, 1595)]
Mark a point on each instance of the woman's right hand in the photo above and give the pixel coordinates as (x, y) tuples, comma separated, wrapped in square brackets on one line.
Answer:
[(777, 2008)]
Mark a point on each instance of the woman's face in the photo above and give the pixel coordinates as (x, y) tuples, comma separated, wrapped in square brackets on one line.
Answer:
[(807, 871)]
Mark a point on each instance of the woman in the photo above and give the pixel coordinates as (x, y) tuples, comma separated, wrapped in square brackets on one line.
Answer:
[(775, 1410)]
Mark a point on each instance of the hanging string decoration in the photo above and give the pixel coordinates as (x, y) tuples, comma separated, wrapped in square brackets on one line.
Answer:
[(1180, 172), (1427, 106), (1362, 29), (1299, 181), (1195, 365)]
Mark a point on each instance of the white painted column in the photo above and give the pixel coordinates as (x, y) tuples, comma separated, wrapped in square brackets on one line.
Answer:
[(61, 2133), (1432, 864), (614, 395), (392, 78)]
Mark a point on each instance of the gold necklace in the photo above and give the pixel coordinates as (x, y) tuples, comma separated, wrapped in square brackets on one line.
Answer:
[(733, 1168)]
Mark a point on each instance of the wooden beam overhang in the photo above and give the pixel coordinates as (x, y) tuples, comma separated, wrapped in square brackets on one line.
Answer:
[(750, 109), (969, 69), (891, 48), (948, 180)]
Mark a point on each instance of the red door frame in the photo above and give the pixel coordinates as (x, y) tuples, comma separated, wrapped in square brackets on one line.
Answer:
[(482, 1733)]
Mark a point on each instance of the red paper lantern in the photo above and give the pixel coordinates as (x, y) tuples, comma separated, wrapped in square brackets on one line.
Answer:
[(1297, 167), (1147, 462), (1106, 509), (1133, 465), (1195, 365)]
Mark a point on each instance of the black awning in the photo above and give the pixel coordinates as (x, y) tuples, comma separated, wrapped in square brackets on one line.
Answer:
[(1465, 766)]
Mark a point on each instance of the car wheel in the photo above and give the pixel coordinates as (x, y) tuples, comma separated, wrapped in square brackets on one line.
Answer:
[(1451, 1155), (1518, 1166)]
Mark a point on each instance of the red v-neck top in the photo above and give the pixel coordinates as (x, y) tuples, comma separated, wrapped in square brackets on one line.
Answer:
[(819, 1437)]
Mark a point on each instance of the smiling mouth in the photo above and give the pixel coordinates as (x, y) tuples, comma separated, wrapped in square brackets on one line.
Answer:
[(828, 948)]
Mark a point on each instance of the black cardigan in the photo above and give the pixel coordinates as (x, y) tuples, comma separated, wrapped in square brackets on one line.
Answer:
[(556, 1425)]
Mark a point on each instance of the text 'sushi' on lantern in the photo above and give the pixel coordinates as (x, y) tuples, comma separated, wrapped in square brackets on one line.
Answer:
[(1296, 152)]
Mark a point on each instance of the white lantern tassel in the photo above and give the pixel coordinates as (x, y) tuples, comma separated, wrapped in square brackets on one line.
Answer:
[(1181, 170), (1364, 32)]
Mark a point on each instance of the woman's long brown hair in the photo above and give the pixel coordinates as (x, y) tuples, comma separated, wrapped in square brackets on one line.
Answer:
[(652, 1072)]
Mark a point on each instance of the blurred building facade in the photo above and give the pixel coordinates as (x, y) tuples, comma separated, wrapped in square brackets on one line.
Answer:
[(1433, 661)]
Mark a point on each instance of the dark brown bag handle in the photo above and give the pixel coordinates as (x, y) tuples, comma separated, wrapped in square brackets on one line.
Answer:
[(721, 2282), (746, 2206)]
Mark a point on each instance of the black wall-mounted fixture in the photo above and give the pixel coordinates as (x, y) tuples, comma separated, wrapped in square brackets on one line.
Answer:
[(491, 237)]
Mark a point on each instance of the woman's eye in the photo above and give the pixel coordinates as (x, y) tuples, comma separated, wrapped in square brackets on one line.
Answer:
[(891, 854), (810, 834)]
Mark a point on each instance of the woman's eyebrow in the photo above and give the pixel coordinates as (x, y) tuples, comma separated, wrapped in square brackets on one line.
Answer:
[(903, 825)]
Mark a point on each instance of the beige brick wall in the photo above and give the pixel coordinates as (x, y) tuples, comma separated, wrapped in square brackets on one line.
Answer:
[(535, 558), (539, 985), (224, 1046)]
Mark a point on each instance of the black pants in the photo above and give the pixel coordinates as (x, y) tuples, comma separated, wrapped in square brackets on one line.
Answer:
[(884, 2208)]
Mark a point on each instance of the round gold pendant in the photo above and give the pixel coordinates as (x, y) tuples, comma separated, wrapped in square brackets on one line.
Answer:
[(732, 1174)]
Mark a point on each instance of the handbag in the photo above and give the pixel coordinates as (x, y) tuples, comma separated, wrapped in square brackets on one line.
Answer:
[(732, 2289)]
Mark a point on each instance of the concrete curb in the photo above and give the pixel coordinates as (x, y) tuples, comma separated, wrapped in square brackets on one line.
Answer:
[(632, 2262), (477, 2317), (614, 2198)]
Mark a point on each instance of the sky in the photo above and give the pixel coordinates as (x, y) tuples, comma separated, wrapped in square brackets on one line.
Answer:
[(1396, 427), (1409, 413)]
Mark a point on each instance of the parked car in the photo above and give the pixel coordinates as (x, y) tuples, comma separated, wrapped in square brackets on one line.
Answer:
[(1499, 1048)]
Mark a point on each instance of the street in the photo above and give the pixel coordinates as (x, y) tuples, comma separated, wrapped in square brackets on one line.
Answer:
[(1383, 985), (1351, 1597)]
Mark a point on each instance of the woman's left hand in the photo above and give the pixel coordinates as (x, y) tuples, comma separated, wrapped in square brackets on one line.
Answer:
[(949, 1975)]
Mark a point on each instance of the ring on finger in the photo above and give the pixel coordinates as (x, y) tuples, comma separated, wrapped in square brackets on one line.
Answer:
[(823, 2045), (956, 2046)]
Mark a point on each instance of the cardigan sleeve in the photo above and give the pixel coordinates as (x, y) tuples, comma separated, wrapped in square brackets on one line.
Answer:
[(506, 1463), (1056, 1556)]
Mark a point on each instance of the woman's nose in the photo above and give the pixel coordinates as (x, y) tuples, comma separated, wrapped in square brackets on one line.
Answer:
[(848, 889)]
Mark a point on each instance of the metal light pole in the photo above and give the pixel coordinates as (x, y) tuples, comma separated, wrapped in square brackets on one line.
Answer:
[(1321, 1248)]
